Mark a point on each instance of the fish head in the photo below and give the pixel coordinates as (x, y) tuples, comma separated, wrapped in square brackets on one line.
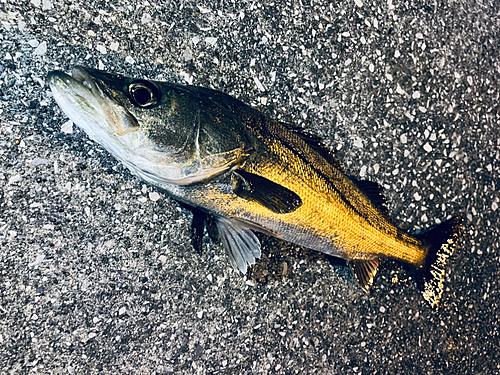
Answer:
[(161, 131)]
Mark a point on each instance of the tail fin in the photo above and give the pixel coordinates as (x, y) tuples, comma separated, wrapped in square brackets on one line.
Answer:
[(442, 242)]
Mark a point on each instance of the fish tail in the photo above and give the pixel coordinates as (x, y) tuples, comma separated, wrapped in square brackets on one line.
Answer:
[(442, 241)]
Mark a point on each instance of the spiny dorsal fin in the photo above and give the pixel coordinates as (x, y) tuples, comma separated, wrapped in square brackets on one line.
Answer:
[(364, 272), (374, 192), (271, 195)]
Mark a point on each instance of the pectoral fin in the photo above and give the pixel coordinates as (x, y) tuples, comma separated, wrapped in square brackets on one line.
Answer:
[(241, 244), (364, 272), (258, 189)]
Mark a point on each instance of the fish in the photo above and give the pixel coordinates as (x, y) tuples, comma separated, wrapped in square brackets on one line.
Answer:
[(242, 172)]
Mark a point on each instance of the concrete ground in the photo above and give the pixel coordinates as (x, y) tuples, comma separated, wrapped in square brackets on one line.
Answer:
[(97, 274)]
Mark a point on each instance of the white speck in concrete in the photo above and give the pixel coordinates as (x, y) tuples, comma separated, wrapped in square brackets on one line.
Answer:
[(359, 3), (36, 3), (37, 261), (371, 67), (14, 179), (348, 62), (417, 196), (399, 90), (114, 46), (34, 317), (154, 196), (122, 310), (46, 4), (469, 80), (358, 142), (410, 116), (362, 172), (199, 314), (92, 335), (41, 49), (118, 206), (101, 49), (67, 127), (146, 19), (162, 259), (376, 168), (403, 138), (427, 147), (397, 54), (419, 36), (432, 137), (494, 206), (39, 161), (33, 43), (416, 95), (130, 60), (211, 40), (260, 86), (382, 309)]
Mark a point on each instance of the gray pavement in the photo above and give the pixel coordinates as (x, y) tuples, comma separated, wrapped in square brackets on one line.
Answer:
[(97, 274)]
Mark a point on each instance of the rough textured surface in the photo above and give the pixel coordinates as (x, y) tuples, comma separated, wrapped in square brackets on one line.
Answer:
[(96, 271)]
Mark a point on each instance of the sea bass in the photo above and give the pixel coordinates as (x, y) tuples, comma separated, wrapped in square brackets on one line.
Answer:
[(245, 172)]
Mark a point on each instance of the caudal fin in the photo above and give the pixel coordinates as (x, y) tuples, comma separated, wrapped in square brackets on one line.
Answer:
[(442, 241)]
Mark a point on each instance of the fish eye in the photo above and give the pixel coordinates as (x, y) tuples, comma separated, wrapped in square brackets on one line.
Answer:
[(143, 94)]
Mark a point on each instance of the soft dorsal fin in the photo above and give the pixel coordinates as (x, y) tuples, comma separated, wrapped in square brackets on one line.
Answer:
[(316, 144), (241, 244), (364, 272), (374, 192), (271, 195)]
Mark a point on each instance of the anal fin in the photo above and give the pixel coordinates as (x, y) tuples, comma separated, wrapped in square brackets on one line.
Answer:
[(364, 272)]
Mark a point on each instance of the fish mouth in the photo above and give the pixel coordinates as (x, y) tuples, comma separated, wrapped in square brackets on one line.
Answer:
[(86, 101), (79, 83)]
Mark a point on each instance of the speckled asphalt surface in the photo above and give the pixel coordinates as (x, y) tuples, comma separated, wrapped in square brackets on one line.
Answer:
[(97, 274)]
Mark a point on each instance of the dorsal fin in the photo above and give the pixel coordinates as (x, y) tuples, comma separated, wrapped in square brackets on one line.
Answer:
[(316, 144), (374, 192)]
